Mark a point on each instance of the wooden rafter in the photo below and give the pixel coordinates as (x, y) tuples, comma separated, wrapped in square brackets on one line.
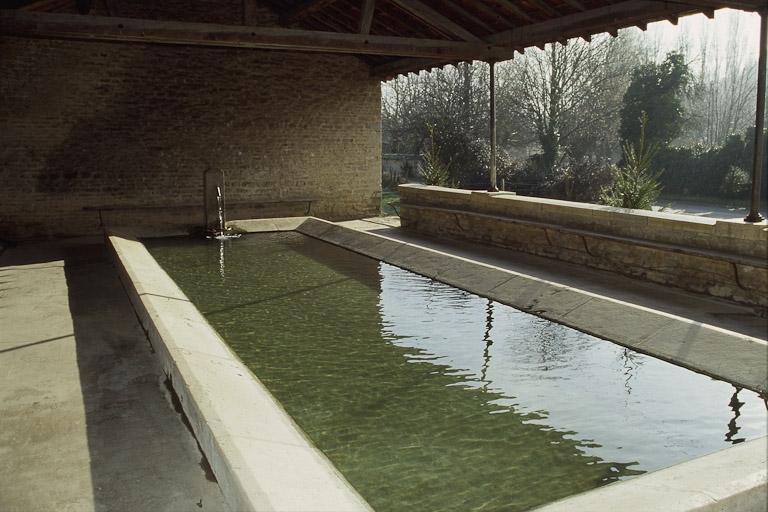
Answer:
[(249, 10), (576, 5), (431, 17), (474, 19), (366, 17), (545, 7), (507, 4), (303, 10)]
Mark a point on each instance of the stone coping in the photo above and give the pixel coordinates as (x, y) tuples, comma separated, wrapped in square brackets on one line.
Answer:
[(722, 354), (262, 460), (727, 236)]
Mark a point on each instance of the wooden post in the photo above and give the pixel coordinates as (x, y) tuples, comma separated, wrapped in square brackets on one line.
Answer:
[(492, 86), (757, 161)]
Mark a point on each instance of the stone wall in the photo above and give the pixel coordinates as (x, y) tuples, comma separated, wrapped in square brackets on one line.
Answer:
[(135, 126), (727, 259)]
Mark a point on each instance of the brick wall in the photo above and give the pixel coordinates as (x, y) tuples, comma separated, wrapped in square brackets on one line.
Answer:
[(86, 124)]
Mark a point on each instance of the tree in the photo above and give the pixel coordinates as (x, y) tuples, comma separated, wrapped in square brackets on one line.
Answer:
[(452, 100), (723, 90), (566, 97), (634, 185), (657, 90)]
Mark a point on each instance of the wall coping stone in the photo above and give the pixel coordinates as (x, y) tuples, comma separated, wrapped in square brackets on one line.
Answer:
[(726, 236)]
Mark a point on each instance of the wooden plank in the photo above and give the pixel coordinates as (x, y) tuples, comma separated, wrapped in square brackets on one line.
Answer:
[(99, 28)]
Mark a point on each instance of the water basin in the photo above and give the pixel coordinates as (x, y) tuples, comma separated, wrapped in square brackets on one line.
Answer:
[(427, 397)]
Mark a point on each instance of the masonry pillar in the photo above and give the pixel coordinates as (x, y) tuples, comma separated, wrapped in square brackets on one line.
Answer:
[(757, 160)]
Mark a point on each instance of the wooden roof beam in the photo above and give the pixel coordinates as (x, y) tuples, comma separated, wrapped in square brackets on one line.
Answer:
[(101, 28)]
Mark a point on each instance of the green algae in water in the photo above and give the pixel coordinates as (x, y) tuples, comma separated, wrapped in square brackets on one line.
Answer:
[(430, 398)]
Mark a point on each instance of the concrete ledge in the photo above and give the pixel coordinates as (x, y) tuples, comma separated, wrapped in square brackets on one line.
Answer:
[(261, 458), (719, 258), (730, 480)]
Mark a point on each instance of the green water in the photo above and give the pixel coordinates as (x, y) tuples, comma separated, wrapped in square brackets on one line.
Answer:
[(431, 398)]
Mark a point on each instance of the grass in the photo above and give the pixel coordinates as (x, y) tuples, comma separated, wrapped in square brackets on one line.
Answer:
[(388, 196)]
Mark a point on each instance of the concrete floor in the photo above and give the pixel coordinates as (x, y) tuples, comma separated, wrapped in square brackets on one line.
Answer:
[(86, 420)]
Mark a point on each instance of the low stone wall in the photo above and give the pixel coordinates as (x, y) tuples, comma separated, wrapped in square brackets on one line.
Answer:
[(725, 259)]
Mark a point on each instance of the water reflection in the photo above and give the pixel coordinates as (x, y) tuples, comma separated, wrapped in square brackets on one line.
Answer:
[(221, 258), (630, 363), (621, 405), (733, 429), (487, 340)]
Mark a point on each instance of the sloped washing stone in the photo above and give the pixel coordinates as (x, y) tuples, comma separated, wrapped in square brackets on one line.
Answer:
[(479, 279), (421, 261), (266, 225), (315, 227), (711, 351)]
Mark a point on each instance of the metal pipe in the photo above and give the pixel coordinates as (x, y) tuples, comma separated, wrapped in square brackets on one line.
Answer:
[(757, 161)]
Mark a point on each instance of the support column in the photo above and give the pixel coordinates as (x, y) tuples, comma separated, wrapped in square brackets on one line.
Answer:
[(492, 86), (757, 161)]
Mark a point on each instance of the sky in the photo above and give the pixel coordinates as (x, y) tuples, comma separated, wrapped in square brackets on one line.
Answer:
[(734, 27)]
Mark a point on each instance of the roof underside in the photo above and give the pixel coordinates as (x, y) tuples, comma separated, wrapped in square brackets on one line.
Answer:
[(392, 36)]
